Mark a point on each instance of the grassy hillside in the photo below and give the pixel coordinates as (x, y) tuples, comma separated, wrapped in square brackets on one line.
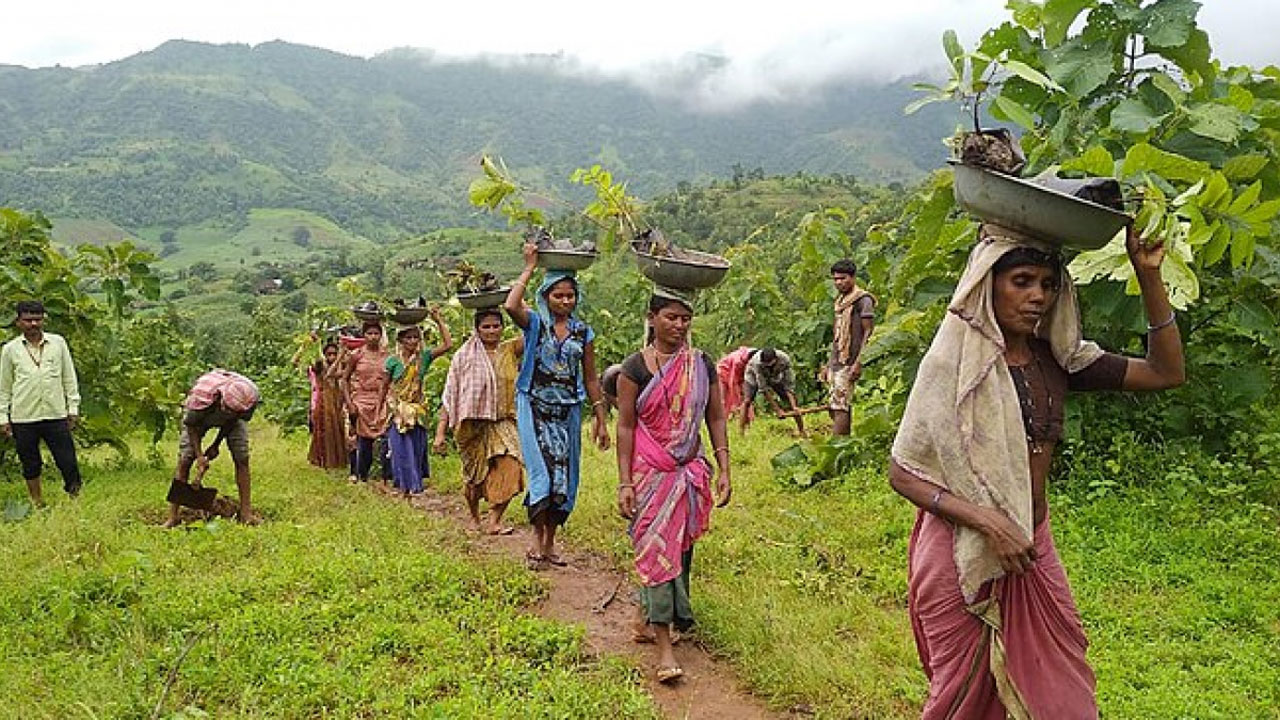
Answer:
[(342, 604), (190, 134), (805, 590), (345, 603)]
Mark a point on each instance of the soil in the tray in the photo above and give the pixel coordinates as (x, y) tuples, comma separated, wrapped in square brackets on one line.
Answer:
[(994, 150)]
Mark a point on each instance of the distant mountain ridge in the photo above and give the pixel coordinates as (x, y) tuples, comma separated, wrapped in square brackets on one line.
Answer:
[(195, 133)]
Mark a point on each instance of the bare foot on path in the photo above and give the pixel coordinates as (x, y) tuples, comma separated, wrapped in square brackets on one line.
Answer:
[(590, 592)]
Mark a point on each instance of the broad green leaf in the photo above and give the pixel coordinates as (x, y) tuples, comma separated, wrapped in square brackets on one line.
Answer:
[(1204, 233), (1095, 161), (1266, 109), (1262, 212), (1127, 11), (1249, 384), (1016, 112), (1245, 199), (1239, 98), (1169, 87), (1217, 193), (1144, 157), (1217, 122), (1193, 56), (1078, 67), (1257, 319), (1108, 261), (1244, 167), (1168, 23), (1131, 115), (1057, 17), (1187, 194), (951, 46), (1155, 220), (1216, 247), (1242, 244), (1026, 13), (1180, 280), (1030, 74)]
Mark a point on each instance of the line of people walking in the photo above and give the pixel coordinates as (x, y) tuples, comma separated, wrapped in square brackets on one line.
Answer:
[(990, 605), (514, 408)]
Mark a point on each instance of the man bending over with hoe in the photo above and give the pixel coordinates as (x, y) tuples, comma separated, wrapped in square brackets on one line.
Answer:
[(224, 400)]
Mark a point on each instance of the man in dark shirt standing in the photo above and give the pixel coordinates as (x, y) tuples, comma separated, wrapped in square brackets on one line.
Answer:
[(224, 400), (854, 320)]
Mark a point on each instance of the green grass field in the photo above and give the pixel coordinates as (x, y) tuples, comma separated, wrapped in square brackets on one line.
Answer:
[(343, 604), (349, 605), (804, 591)]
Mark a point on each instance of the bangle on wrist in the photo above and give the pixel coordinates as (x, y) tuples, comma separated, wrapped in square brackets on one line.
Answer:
[(716, 451), (936, 501), (1172, 316)]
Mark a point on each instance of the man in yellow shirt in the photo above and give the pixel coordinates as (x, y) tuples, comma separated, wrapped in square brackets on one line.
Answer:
[(40, 399)]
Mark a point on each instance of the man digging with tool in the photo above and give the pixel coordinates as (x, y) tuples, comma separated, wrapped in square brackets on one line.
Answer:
[(224, 400)]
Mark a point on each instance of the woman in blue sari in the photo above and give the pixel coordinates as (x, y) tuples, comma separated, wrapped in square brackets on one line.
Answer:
[(557, 373)]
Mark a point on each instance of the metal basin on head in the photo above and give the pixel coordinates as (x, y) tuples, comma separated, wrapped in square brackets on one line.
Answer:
[(409, 315), (484, 298), (565, 259), (688, 269), (1033, 209)]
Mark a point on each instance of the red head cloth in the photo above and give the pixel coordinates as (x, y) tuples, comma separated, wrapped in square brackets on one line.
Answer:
[(238, 392)]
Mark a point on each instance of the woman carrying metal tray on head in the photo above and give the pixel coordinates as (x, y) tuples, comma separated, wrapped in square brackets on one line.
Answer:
[(666, 393), (365, 380), (556, 374), (406, 398), (991, 609)]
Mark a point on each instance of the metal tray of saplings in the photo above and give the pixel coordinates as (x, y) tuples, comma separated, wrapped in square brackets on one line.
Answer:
[(409, 315), (557, 254), (481, 299), (1033, 208), (561, 259), (369, 312), (674, 267)]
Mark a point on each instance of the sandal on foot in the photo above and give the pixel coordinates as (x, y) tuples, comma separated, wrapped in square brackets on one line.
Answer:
[(668, 675), (556, 560), (504, 530), (534, 561)]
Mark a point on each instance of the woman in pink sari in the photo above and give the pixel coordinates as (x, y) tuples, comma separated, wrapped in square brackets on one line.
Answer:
[(665, 393), (995, 625)]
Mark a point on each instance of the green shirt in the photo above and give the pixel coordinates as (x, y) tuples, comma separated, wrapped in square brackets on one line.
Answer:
[(37, 382)]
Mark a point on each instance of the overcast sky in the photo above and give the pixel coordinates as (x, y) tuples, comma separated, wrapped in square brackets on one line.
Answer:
[(777, 49)]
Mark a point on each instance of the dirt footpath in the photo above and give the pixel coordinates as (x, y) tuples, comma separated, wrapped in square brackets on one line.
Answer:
[(591, 593)]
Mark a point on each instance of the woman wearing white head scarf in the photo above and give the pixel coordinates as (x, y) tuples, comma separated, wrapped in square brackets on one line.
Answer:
[(991, 609)]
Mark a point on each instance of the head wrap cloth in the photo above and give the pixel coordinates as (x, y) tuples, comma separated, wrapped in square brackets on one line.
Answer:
[(962, 428)]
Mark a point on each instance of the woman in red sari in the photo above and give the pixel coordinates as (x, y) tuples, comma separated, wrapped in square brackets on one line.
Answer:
[(366, 384), (665, 393)]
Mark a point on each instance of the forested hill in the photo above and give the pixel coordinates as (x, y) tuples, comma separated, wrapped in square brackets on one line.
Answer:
[(190, 133)]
